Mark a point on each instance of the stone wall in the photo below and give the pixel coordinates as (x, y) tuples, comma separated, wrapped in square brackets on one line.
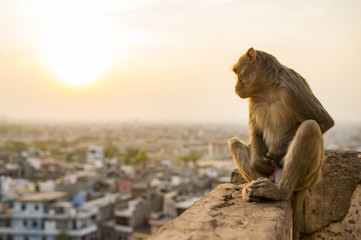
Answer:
[(223, 214), (332, 209)]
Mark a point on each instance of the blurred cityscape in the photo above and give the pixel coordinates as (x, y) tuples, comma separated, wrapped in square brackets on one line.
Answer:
[(114, 181)]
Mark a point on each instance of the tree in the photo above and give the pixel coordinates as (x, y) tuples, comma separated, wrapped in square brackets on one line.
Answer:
[(77, 154), (63, 235), (15, 146), (110, 151), (189, 158), (130, 155), (69, 157), (141, 156), (134, 156)]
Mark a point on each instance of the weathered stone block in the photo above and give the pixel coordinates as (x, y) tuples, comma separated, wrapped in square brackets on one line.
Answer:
[(223, 214), (329, 201), (236, 177), (348, 228), (332, 209)]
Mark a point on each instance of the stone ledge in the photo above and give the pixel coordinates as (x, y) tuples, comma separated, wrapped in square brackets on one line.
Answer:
[(332, 210), (330, 200), (223, 214)]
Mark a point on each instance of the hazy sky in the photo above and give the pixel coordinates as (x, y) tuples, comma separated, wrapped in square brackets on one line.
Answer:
[(169, 60)]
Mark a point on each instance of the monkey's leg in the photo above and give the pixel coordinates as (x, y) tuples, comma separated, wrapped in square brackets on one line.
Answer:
[(304, 159), (241, 156), (302, 165)]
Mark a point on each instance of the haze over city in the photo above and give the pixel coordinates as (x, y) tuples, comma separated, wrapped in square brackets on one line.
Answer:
[(168, 60), (119, 120)]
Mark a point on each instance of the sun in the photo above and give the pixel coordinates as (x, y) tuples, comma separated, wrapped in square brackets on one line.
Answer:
[(77, 54)]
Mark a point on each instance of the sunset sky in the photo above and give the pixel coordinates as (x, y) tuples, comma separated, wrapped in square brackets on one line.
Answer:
[(169, 60)]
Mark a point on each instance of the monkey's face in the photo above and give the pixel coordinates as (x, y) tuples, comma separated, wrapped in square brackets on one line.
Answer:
[(246, 72)]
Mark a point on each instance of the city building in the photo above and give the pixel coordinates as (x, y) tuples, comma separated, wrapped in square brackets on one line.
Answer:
[(95, 154), (131, 220), (218, 151), (44, 216), (173, 206)]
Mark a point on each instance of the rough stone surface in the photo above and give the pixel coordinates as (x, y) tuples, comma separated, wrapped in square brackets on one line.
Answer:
[(349, 228), (329, 201), (223, 214), (237, 178)]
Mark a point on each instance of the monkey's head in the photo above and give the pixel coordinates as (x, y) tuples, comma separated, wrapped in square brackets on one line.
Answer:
[(246, 71)]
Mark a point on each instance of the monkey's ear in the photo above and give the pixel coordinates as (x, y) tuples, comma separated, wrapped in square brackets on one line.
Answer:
[(251, 54)]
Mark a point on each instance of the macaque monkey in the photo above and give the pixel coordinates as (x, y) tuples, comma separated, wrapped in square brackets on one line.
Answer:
[(286, 121)]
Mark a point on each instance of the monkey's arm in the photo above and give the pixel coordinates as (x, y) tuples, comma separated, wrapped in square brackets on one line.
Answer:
[(278, 151), (258, 151)]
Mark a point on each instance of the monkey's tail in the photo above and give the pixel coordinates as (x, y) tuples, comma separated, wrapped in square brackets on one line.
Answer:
[(298, 213)]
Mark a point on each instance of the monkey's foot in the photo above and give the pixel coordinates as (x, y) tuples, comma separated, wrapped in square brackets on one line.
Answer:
[(262, 188)]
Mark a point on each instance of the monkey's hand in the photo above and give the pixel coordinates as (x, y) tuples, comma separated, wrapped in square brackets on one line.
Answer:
[(260, 166), (277, 170), (277, 152)]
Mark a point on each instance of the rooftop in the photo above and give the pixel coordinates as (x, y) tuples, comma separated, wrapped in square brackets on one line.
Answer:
[(62, 204), (40, 197), (187, 203)]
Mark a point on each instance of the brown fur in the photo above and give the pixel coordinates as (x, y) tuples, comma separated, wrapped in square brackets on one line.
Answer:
[(286, 125)]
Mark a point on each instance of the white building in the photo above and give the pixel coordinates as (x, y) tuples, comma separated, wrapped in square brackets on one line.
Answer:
[(218, 151), (95, 154), (43, 216)]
